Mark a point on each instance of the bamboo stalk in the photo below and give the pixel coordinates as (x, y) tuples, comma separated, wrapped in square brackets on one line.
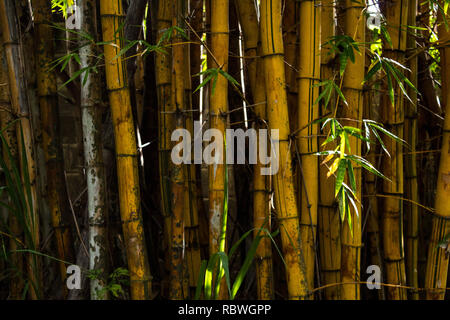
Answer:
[(46, 88), (261, 184), (6, 117), (191, 215), (261, 203), (126, 151), (277, 115), (196, 21), (329, 224), (307, 139), (354, 26), (291, 41), (139, 83), (20, 105), (372, 99), (437, 262), (91, 113), (179, 185), (248, 20), (218, 104), (163, 67), (411, 187), (396, 13)]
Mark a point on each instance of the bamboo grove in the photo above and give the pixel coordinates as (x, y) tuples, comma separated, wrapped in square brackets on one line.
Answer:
[(224, 149)]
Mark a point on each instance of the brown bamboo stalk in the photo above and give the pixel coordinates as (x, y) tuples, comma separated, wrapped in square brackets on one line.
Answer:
[(163, 71), (20, 105), (372, 98), (180, 185), (9, 133), (291, 41), (46, 88)]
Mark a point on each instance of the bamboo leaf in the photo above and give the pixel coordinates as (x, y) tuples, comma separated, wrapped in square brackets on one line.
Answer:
[(229, 77), (340, 175), (245, 266), (333, 167), (351, 175), (339, 92), (200, 280), (381, 142), (386, 132), (372, 71)]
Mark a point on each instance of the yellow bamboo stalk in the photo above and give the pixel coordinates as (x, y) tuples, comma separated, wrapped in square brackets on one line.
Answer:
[(261, 202), (396, 13), (411, 188), (218, 104), (261, 184), (248, 20), (218, 119), (353, 25), (46, 89), (437, 262), (328, 221), (179, 185), (21, 108), (277, 115), (307, 136), (112, 18)]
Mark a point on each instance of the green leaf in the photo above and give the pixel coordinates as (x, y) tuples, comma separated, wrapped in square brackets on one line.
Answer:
[(390, 89), (340, 175), (339, 92), (229, 77), (351, 175), (341, 202), (386, 132), (366, 165), (200, 280), (372, 71), (385, 34), (245, 266), (342, 63)]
